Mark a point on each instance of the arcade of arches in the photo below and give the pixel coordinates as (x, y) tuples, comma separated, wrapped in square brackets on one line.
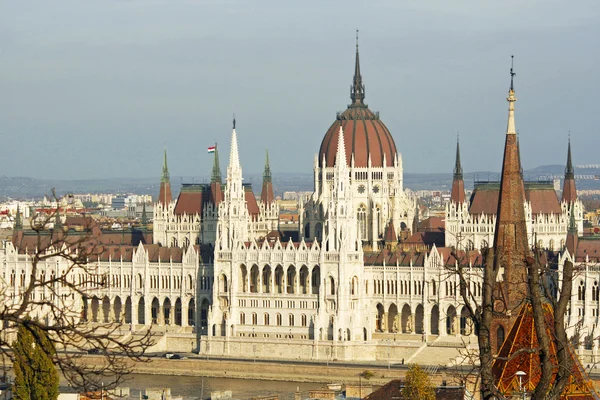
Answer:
[(405, 320)]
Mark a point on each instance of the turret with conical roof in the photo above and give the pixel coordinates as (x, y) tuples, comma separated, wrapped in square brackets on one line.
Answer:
[(216, 170), (458, 184), (510, 238), (165, 196), (216, 190), (569, 193), (267, 195)]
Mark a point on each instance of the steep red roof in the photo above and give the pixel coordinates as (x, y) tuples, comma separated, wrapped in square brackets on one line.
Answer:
[(542, 196), (251, 203), (190, 200)]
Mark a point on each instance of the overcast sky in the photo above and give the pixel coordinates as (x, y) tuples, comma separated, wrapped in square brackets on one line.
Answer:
[(92, 89)]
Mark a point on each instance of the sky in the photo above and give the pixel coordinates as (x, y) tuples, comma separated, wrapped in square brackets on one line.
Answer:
[(98, 88)]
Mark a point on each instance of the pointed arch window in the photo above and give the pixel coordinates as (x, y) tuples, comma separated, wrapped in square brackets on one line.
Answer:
[(361, 217)]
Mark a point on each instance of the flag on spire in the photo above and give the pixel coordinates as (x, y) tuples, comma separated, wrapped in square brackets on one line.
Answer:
[(212, 149)]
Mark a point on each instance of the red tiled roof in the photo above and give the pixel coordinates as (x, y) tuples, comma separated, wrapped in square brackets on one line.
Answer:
[(190, 200), (364, 134), (543, 198), (251, 203)]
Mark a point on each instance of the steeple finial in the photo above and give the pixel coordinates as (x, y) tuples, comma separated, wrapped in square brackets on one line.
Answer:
[(233, 120), (510, 129), (267, 172), (216, 171), (512, 74), (165, 170), (458, 171), (357, 91)]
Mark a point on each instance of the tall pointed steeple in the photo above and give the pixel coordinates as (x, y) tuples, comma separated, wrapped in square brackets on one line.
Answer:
[(569, 193), (357, 91), (144, 220), (458, 185), (164, 195), (510, 238), (267, 195), (18, 220), (234, 170), (216, 170)]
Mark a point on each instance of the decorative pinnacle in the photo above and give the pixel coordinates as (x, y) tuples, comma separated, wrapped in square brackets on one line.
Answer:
[(18, 219), (458, 171), (216, 171), (267, 172), (165, 171), (569, 170), (510, 129), (357, 91), (233, 120)]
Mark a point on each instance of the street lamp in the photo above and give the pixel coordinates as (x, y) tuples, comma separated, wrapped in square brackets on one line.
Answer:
[(521, 374)]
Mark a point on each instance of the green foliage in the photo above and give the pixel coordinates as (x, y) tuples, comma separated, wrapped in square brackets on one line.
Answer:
[(418, 386), (366, 374), (35, 374)]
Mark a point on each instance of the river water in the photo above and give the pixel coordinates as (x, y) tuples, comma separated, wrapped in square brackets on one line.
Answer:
[(190, 387)]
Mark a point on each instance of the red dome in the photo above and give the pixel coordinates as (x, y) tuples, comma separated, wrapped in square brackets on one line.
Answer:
[(364, 133)]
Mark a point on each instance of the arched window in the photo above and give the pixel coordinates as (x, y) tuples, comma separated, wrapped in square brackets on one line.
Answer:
[(303, 319), (595, 292), (581, 291), (500, 337), (267, 319), (254, 319), (361, 217), (291, 320), (331, 285), (242, 319), (433, 291), (278, 319)]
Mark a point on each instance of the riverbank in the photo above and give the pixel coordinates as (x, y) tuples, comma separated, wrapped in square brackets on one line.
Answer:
[(257, 370)]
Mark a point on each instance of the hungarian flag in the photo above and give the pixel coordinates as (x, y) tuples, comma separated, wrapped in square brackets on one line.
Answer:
[(211, 149)]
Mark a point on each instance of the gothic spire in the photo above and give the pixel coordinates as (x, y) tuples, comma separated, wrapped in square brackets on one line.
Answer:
[(267, 172), (234, 157), (569, 193), (458, 171), (165, 170), (144, 215), (164, 195), (216, 170), (458, 185), (357, 91), (340, 158), (267, 195), (18, 220), (510, 238)]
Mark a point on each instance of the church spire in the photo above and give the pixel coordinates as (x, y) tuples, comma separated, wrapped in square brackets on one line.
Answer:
[(357, 91), (165, 177), (216, 170), (458, 185), (18, 220), (164, 195), (569, 193), (267, 195), (510, 239), (234, 170), (234, 156)]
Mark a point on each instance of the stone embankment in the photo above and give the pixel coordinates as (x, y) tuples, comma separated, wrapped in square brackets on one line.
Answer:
[(258, 370)]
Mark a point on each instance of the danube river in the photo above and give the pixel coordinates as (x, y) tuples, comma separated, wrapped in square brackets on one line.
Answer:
[(190, 387)]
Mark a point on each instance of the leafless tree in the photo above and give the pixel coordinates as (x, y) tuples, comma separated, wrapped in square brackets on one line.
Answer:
[(53, 302)]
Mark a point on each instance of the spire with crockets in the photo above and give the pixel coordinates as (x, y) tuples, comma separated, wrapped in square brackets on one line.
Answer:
[(165, 170), (458, 185), (267, 195), (216, 170), (569, 193), (18, 220), (357, 91)]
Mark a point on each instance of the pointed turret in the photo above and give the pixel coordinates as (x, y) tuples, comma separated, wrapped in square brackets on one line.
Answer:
[(267, 196), (510, 238), (216, 170), (18, 220), (458, 185), (357, 91), (144, 215), (216, 190), (569, 193), (572, 236), (340, 158), (234, 170), (165, 196)]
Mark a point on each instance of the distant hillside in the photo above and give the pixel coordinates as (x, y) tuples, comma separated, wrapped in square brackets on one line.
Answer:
[(27, 188)]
